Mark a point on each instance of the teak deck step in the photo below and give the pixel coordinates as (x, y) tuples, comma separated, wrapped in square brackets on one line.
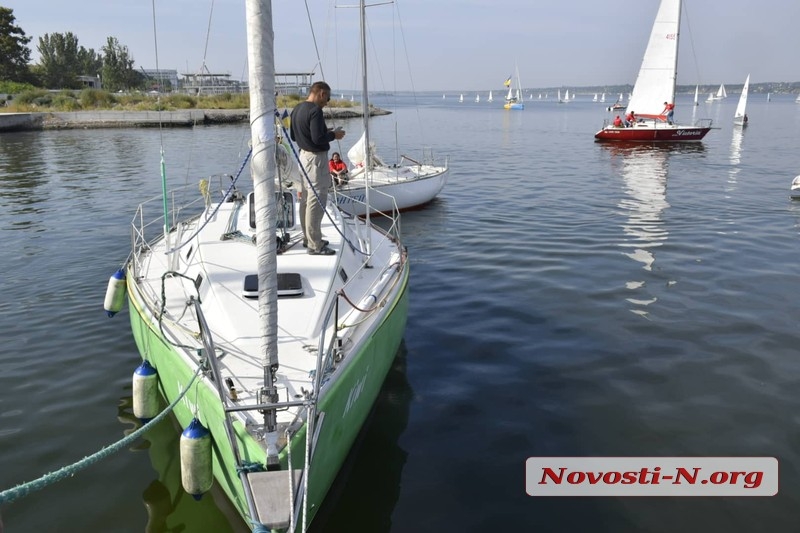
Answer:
[(271, 495)]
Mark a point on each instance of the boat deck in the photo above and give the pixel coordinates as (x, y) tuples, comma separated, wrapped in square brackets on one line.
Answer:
[(214, 267)]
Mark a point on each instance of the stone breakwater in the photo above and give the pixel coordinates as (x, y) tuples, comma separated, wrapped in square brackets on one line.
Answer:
[(141, 119)]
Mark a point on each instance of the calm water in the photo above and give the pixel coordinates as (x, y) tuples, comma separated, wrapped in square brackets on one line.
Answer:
[(568, 298)]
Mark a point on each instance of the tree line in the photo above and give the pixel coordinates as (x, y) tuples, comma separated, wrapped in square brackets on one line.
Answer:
[(62, 60)]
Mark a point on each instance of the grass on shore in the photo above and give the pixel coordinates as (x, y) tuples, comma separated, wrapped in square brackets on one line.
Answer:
[(42, 101)]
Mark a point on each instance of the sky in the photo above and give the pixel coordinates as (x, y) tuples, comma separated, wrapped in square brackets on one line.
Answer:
[(439, 45)]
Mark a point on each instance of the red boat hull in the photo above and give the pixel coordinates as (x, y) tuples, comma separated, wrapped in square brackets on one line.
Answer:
[(650, 133)]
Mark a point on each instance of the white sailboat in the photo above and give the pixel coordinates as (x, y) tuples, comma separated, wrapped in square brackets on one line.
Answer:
[(595, 97), (794, 188), (477, 98), (410, 183), (461, 98), (603, 97), (655, 84), (740, 117), (273, 394), (696, 94), (490, 97), (721, 94)]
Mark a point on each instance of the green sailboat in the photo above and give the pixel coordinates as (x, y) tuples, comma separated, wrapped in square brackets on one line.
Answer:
[(279, 354)]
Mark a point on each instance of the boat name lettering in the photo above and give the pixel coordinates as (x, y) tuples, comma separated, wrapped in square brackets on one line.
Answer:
[(672, 36), (355, 392), (342, 199)]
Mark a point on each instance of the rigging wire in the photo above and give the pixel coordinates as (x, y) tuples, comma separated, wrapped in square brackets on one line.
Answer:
[(314, 38), (208, 35), (691, 41)]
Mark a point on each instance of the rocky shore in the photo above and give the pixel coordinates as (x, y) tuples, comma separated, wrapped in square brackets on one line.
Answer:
[(140, 119)]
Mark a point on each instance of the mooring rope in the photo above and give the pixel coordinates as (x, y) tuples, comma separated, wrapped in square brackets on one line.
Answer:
[(68, 471)]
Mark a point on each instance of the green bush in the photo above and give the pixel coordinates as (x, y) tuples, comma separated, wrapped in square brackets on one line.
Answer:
[(95, 99), (66, 101), (30, 97), (180, 101), (12, 87)]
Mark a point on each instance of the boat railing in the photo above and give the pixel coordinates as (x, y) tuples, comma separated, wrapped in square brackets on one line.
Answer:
[(182, 204)]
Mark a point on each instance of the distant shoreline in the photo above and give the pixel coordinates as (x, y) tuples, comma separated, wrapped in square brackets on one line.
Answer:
[(140, 119)]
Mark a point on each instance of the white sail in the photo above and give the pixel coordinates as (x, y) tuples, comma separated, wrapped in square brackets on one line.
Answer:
[(738, 117), (656, 81), (696, 93), (490, 96), (721, 92)]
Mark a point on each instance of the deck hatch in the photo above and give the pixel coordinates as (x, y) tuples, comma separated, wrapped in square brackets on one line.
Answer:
[(289, 284)]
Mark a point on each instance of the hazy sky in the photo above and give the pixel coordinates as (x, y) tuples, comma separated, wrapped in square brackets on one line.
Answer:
[(455, 45)]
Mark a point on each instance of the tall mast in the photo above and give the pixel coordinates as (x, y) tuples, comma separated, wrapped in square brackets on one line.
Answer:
[(261, 79)]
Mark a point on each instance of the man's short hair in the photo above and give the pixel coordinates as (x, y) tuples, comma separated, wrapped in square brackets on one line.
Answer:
[(319, 86)]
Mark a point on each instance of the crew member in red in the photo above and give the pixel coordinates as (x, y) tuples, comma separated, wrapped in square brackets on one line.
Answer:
[(669, 109), (338, 169), (617, 122)]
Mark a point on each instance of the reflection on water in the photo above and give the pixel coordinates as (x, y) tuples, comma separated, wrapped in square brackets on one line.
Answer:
[(644, 169), (736, 157), (644, 172)]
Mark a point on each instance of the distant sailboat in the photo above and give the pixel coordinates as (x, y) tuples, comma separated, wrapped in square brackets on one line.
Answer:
[(696, 93), (603, 97), (721, 94), (740, 117), (513, 99), (461, 98), (477, 98), (490, 96), (595, 97)]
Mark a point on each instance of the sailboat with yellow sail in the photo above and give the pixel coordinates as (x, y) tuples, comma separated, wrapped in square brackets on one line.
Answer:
[(514, 96)]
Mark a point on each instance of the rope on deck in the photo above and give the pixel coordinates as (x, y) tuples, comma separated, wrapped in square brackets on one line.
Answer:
[(25, 489)]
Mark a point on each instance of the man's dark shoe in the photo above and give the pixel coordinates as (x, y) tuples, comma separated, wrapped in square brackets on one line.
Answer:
[(324, 243), (322, 251)]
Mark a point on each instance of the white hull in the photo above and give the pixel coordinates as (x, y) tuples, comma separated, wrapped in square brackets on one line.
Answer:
[(794, 191), (392, 189)]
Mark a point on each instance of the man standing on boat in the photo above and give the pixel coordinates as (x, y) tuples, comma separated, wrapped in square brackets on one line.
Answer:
[(669, 109), (309, 131)]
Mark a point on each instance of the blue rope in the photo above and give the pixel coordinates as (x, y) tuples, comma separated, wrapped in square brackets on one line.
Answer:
[(68, 471)]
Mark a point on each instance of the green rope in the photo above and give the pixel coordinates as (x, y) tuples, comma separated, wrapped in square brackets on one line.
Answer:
[(68, 471)]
